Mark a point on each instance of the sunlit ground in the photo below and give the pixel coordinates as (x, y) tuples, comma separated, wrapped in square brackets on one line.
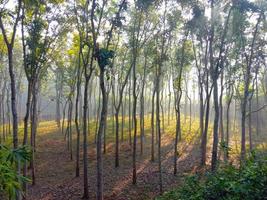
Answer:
[(56, 172)]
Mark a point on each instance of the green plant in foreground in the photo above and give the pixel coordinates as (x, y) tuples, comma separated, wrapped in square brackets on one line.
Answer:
[(10, 159), (248, 182)]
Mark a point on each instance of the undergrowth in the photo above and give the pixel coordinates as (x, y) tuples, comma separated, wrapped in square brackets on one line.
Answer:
[(248, 182)]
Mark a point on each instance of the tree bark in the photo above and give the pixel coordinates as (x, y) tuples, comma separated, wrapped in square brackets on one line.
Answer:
[(152, 126), (85, 153), (77, 120), (103, 116)]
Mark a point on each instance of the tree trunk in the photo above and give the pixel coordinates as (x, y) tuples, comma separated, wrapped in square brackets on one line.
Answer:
[(13, 98), (77, 120), (117, 138), (25, 137), (246, 90), (105, 126), (85, 153), (178, 130), (169, 102), (129, 113), (58, 97), (205, 132), (158, 127), (214, 75), (70, 129), (152, 126), (97, 116), (134, 118), (122, 121), (250, 125), (257, 107), (33, 126), (221, 110), (99, 195), (228, 122), (215, 126), (63, 120)]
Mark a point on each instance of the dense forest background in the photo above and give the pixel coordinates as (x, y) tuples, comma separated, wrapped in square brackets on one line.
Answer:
[(124, 99)]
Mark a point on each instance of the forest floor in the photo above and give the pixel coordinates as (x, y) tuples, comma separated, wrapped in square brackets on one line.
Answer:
[(55, 172)]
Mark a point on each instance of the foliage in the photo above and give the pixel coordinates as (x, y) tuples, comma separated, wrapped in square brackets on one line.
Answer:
[(10, 181), (35, 45), (3, 48), (104, 57), (228, 183), (144, 4)]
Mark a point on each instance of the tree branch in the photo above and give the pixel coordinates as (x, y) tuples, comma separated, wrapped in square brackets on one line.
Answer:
[(261, 108)]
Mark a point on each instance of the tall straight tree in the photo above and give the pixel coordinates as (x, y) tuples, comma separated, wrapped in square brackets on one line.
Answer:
[(10, 45), (216, 67), (82, 11), (103, 56), (247, 83), (121, 84)]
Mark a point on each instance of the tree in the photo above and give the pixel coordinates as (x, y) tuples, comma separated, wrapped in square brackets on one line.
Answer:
[(103, 56), (121, 84), (10, 45)]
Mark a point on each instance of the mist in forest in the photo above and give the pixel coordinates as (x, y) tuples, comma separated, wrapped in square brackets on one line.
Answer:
[(133, 99)]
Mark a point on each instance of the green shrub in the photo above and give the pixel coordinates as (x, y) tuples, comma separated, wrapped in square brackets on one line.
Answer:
[(228, 183), (10, 159)]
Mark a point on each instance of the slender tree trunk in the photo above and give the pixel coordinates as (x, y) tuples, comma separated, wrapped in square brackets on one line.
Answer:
[(85, 153), (117, 138), (152, 126), (33, 127), (63, 120), (134, 117), (141, 121), (97, 116), (214, 75), (162, 109), (158, 127), (122, 121), (206, 126), (117, 111), (13, 98), (58, 97), (221, 110), (221, 118), (250, 125), (129, 112), (70, 129), (99, 195), (8, 110), (105, 127), (201, 109), (3, 111), (77, 120), (246, 90), (215, 127), (185, 99), (257, 107), (169, 103), (178, 130), (228, 123), (25, 136), (67, 134)]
